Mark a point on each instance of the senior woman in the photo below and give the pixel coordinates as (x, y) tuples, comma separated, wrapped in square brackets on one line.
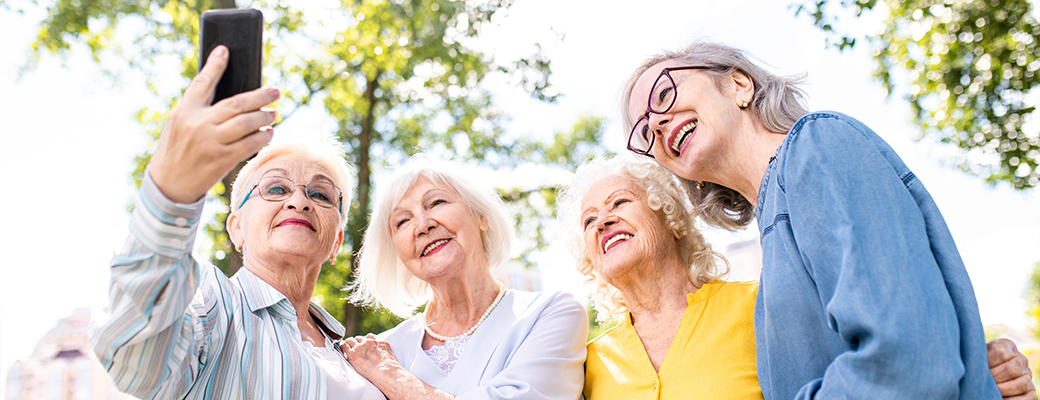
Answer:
[(178, 327), (862, 293), (683, 334), (433, 236)]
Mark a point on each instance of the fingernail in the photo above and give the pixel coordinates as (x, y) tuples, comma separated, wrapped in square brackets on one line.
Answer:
[(219, 51), (274, 92)]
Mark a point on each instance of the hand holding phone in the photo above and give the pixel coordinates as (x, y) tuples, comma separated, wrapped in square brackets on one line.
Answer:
[(241, 31)]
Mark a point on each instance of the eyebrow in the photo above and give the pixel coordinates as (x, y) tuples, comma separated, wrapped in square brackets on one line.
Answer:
[(322, 177), (283, 171), (608, 198), (422, 198)]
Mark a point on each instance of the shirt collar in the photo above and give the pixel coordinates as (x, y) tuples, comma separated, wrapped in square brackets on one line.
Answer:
[(260, 295)]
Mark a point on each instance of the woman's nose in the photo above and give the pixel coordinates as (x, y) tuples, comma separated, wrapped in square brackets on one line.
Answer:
[(425, 224), (298, 200), (657, 122), (605, 221)]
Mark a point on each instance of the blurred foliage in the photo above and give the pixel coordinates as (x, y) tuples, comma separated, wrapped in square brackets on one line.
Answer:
[(595, 329), (1033, 299), (969, 68), (394, 75)]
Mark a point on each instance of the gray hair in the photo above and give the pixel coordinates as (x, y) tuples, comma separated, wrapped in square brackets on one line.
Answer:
[(382, 278), (326, 152), (777, 103), (665, 195)]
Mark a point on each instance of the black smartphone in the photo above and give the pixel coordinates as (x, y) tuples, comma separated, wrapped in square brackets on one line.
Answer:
[(241, 30)]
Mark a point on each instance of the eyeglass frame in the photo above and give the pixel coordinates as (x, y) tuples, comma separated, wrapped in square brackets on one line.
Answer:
[(295, 185), (666, 72)]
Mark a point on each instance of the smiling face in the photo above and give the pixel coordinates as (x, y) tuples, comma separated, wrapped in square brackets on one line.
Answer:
[(295, 229), (436, 233), (694, 137), (621, 232)]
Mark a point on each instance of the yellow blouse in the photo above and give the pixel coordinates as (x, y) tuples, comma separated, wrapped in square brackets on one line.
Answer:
[(711, 357)]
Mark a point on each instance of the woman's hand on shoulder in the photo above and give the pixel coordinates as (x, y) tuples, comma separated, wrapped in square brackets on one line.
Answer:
[(201, 143), (374, 360), (369, 356)]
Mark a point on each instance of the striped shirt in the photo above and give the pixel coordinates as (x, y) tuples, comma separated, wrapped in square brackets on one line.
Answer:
[(207, 336)]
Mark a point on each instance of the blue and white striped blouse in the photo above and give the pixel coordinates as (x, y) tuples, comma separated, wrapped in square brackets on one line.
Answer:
[(207, 336)]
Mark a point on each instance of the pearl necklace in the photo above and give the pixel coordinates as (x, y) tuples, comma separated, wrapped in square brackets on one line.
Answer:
[(501, 293)]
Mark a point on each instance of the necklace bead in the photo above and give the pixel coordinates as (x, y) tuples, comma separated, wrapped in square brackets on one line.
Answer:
[(501, 293)]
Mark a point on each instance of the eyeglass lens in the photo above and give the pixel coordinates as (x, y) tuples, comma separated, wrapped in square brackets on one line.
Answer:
[(276, 188), (661, 99)]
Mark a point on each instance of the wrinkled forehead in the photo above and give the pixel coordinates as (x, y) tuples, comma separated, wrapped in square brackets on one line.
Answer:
[(421, 186), (600, 191), (299, 168)]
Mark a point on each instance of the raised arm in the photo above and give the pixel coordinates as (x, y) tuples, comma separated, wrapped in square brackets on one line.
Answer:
[(160, 323)]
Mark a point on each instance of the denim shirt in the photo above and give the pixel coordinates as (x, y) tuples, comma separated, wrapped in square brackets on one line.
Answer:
[(863, 293)]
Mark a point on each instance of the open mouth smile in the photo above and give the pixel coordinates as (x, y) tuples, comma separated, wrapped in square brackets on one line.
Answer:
[(685, 133), (615, 238), (434, 246)]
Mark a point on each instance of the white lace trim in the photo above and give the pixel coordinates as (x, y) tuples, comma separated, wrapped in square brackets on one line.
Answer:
[(445, 356)]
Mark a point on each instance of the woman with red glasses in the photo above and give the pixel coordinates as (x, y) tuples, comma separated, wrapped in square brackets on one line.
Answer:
[(863, 292)]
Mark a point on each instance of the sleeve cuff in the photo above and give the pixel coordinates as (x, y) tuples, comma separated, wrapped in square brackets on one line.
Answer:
[(166, 227)]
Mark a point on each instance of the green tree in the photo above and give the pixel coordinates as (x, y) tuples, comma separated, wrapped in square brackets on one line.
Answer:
[(396, 76), (968, 68)]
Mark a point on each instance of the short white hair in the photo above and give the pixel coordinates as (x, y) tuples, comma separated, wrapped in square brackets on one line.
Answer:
[(663, 194), (326, 152), (382, 278)]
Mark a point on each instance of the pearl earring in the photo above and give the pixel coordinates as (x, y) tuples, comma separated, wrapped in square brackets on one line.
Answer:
[(743, 105)]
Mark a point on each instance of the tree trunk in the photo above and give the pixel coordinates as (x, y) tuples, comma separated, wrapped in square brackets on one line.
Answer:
[(358, 222), (223, 4), (234, 258)]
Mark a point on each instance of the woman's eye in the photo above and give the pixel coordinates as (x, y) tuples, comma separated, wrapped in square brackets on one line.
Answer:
[(588, 221), (437, 202), (277, 190), (665, 93), (322, 197), (400, 222), (619, 202)]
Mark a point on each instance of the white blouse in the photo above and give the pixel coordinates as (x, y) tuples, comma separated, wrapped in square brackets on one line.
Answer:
[(532, 346), (341, 380)]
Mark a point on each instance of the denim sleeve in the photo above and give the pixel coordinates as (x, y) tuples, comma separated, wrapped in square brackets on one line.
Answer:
[(863, 240)]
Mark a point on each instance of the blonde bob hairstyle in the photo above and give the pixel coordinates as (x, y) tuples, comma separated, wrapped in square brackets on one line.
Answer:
[(777, 103), (327, 153), (382, 279), (664, 195)]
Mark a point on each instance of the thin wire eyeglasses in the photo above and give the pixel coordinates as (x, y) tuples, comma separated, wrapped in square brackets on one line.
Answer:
[(278, 188), (660, 100)]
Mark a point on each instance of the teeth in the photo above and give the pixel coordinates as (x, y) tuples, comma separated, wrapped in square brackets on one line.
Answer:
[(684, 133), (616, 238), (434, 246)]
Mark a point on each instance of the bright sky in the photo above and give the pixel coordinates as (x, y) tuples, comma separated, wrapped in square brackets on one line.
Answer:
[(70, 130)]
